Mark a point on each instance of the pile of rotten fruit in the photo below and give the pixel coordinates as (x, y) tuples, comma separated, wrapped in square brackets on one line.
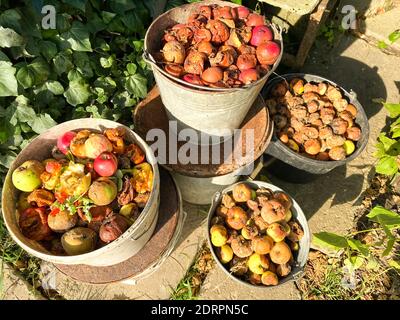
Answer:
[(254, 233), (220, 47), (87, 195), (314, 119)]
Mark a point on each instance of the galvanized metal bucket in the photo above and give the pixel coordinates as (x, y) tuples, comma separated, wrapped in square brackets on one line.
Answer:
[(117, 251), (212, 112), (298, 214), (279, 150), (199, 190)]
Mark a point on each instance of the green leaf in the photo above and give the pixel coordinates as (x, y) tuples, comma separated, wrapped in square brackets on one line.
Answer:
[(372, 264), (6, 130), (75, 75), (95, 24), (132, 68), (138, 45), (380, 150), (11, 19), (137, 85), (120, 6), (78, 4), (387, 218), (354, 263), (387, 165), (106, 83), (54, 87), (26, 76), (107, 16), (92, 109), (389, 247), (48, 49), (41, 69), (382, 45), (396, 133), (116, 25), (9, 38), (394, 36), (8, 82), (3, 57), (62, 62), (330, 241), (393, 108), (42, 123), (132, 21), (387, 142), (107, 62), (77, 93), (357, 245), (78, 37), (63, 22), (395, 264), (82, 61), (123, 100), (6, 159)]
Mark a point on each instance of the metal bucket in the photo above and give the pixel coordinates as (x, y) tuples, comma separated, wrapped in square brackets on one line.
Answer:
[(279, 150), (199, 190), (210, 111), (304, 244), (117, 251)]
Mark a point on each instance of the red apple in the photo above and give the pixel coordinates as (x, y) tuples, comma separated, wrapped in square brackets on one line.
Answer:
[(254, 20), (268, 53), (242, 12), (105, 164), (260, 35), (64, 141), (248, 76)]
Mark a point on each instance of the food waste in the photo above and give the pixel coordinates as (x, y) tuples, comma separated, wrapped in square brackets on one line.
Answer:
[(219, 47), (314, 119), (255, 235), (87, 194)]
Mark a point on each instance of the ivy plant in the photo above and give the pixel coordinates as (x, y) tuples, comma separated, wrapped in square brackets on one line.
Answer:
[(90, 65)]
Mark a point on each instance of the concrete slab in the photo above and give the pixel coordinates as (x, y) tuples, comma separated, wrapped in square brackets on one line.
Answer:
[(158, 285), (218, 286), (13, 287), (369, 8), (378, 28), (299, 7)]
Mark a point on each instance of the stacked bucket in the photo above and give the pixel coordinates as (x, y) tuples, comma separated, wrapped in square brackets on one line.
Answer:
[(211, 112)]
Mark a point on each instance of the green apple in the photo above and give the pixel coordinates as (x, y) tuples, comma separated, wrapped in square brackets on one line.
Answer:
[(27, 176)]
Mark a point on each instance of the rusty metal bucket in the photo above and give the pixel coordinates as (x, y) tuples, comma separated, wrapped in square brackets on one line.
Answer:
[(213, 112)]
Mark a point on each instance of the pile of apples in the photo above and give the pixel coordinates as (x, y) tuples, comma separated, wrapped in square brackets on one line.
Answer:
[(255, 235), (87, 195), (220, 47), (314, 119)]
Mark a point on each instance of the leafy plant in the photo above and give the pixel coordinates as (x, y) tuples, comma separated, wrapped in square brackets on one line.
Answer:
[(388, 147), (91, 65), (359, 254)]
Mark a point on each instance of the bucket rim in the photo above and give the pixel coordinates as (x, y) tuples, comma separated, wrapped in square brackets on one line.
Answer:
[(186, 85), (293, 276), (112, 245)]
